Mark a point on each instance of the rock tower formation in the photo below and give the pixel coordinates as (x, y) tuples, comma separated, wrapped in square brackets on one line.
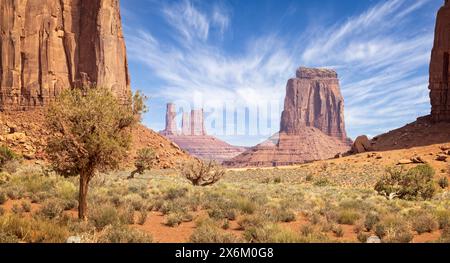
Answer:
[(194, 139), (440, 67), (312, 124), (171, 123), (313, 99), (50, 45)]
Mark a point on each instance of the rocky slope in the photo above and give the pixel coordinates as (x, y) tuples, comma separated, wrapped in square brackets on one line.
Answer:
[(50, 45), (312, 124), (25, 133)]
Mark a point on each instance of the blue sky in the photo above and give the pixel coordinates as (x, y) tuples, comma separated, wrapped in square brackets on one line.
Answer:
[(234, 57)]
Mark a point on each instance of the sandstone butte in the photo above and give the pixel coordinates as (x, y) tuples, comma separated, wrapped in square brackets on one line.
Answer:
[(194, 139), (312, 124), (50, 45), (434, 128)]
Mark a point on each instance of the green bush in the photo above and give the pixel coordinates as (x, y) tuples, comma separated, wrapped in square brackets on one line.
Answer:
[(371, 220), (124, 234), (348, 217), (6, 155), (51, 209), (443, 182), (208, 232), (417, 183), (3, 197), (270, 233), (104, 216), (443, 218), (394, 230)]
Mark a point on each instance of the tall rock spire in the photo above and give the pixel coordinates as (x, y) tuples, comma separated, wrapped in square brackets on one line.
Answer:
[(440, 67)]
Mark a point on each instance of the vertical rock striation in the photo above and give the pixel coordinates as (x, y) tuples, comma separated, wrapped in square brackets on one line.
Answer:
[(312, 124), (440, 67), (313, 99), (50, 45)]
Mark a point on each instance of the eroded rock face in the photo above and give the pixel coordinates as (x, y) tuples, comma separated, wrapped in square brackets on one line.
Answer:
[(440, 67), (312, 124), (194, 139), (313, 99), (50, 45)]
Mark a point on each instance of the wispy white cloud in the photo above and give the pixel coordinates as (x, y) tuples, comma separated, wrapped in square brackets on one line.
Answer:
[(382, 66)]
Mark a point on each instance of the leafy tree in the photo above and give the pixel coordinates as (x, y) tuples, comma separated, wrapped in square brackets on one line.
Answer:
[(90, 133), (202, 173), (145, 160), (409, 185)]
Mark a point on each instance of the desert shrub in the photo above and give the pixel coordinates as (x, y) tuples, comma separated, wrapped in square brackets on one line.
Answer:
[(443, 218), (443, 182), (173, 220), (362, 237), (26, 206), (322, 182), (338, 231), (145, 160), (307, 230), (217, 213), (445, 236), (6, 155), (208, 232), (69, 204), (348, 217), (126, 215), (246, 206), (103, 216), (270, 233), (51, 209), (11, 166), (2, 211), (226, 224), (16, 209), (32, 230), (4, 177), (394, 230), (3, 197), (201, 173), (277, 180), (424, 222), (8, 239), (279, 214), (411, 185), (124, 234), (143, 214), (175, 193), (66, 190), (249, 221), (371, 220)]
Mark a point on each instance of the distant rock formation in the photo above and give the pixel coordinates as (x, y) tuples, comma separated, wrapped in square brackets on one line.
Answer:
[(194, 139), (50, 45), (313, 99), (312, 124), (171, 123), (440, 67)]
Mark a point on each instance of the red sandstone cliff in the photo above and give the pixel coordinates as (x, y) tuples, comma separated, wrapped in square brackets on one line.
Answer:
[(50, 45), (440, 67), (314, 99)]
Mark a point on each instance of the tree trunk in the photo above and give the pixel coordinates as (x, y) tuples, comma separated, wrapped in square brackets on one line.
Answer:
[(82, 196), (133, 173)]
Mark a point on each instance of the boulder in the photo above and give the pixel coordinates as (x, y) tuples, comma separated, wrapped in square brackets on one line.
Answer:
[(362, 144)]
